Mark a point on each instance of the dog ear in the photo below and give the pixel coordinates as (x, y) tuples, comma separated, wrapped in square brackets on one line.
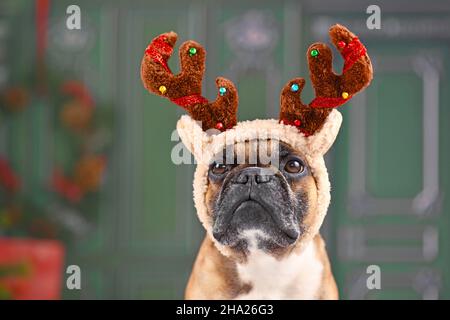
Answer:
[(323, 139)]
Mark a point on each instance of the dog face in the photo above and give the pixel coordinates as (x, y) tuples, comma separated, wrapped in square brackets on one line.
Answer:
[(261, 206), (248, 202)]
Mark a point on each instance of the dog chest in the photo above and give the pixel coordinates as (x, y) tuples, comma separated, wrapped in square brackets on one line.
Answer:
[(297, 276)]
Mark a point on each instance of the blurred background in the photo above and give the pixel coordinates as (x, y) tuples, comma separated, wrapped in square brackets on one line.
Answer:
[(86, 176)]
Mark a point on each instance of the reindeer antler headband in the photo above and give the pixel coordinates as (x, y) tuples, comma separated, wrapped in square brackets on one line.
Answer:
[(331, 90)]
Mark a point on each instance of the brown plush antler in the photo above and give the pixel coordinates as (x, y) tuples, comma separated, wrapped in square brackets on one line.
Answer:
[(331, 90), (185, 88)]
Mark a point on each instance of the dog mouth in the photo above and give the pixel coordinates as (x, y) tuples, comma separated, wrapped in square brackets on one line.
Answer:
[(249, 214)]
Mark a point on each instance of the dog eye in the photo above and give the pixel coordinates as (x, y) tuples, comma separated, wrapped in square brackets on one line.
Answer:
[(294, 166), (219, 168)]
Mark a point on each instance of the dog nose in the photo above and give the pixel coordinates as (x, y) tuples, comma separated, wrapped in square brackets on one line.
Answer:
[(252, 175)]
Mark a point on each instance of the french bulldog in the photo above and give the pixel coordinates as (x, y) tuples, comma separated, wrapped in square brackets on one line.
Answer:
[(262, 218)]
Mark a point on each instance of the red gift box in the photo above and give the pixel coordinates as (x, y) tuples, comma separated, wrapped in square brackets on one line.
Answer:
[(31, 269)]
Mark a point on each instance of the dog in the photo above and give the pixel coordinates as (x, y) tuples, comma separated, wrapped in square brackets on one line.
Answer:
[(261, 187), (262, 220)]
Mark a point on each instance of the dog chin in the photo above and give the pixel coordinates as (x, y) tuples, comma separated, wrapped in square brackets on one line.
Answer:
[(251, 226)]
